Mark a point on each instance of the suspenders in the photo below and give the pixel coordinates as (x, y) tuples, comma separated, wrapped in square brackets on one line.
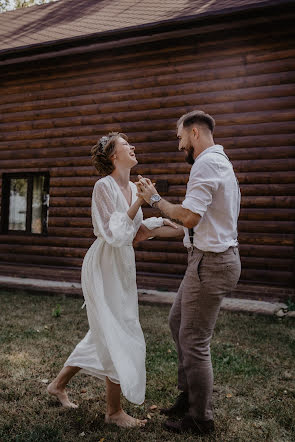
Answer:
[(191, 230)]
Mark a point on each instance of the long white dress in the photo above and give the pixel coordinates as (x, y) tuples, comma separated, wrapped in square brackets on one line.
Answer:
[(114, 345)]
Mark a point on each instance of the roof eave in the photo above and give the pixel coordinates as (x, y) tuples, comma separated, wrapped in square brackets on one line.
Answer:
[(160, 26)]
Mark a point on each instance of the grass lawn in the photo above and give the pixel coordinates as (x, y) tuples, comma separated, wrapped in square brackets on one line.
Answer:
[(253, 359)]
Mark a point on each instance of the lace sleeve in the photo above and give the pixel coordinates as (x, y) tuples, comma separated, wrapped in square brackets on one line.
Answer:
[(115, 227)]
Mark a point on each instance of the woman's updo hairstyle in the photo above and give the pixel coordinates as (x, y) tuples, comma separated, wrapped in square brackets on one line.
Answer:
[(103, 150)]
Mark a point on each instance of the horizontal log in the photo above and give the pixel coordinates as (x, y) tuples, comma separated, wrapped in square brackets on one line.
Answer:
[(269, 251), (72, 191), (286, 265), (166, 118), (161, 257), (41, 260), (71, 252), (158, 102), (271, 276), (158, 129), (144, 142), (265, 178), (70, 201), (266, 214), (247, 189), (268, 201), (270, 238), (267, 189), (41, 272), (169, 269), (138, 77), (70, 212), (149, 89), (74, 162), (242, 110), (261, 153), (45, 241), (69, 222), (71, 232), (73, 181), (281, 227), (264, 165)]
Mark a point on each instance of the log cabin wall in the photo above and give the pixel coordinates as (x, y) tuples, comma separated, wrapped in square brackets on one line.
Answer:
[(242, 73)]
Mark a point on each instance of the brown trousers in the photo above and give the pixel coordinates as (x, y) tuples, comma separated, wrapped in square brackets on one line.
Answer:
[(208, 278)]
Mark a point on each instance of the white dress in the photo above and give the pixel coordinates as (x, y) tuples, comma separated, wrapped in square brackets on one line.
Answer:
[(114, 345)]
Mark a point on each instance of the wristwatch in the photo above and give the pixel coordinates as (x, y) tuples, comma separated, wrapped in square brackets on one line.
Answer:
[(154, 199)]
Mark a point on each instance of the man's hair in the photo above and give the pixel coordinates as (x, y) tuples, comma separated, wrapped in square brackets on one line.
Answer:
[(197, 117)]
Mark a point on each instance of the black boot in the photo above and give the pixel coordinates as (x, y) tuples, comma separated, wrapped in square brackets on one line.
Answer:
[(179, 409)]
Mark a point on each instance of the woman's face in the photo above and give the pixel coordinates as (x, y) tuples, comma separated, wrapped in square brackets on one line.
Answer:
[(124, 154)]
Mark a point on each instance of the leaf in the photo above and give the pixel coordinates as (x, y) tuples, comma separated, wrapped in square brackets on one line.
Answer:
[(153, 407), (228, 395), (149, 416), (44, 381)]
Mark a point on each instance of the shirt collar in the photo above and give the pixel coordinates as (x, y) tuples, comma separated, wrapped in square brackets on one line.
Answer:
[(214, 148)]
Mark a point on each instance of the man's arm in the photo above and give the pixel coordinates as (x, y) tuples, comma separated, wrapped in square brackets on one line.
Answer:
[(177, 213), (173, 211)]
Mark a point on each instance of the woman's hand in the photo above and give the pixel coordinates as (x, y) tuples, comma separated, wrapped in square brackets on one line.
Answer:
[(140, 200)]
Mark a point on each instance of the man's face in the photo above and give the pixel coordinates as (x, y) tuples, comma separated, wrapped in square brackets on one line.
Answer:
[(185, 144)]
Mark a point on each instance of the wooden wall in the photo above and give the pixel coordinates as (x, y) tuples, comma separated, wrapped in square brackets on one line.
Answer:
[(54, 110)]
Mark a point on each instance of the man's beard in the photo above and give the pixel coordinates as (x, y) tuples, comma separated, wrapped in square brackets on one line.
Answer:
[(189, 157)]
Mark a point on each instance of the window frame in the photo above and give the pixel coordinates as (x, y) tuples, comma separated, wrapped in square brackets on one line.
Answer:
[(5, 204)]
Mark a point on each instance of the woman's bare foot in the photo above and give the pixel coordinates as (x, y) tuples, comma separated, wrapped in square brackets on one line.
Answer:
[(61, 395), (122, 419)]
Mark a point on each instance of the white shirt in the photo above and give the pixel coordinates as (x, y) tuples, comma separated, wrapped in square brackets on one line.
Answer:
[(213, 192)]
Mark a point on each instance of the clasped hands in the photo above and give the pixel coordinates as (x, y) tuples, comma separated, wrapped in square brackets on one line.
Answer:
[(145, 189)]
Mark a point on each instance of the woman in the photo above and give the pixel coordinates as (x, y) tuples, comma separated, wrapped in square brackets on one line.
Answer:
[(114, 347)]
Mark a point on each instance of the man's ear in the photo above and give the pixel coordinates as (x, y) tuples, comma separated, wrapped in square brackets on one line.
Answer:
[(195, 131)]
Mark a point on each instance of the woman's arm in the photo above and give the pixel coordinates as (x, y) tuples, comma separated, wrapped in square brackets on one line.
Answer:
[(134, 208), (144, 233)]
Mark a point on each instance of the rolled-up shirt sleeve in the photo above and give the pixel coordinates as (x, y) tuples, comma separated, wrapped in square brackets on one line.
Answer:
[(203, 182)]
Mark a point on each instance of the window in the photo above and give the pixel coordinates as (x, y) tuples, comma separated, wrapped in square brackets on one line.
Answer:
[(25, 200)]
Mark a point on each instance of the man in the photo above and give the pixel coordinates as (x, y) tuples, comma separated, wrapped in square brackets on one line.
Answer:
[(210, 212)]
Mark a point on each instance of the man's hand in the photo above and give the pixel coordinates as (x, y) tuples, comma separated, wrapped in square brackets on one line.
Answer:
[(175, 212), (167, 222), (145, 188)]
